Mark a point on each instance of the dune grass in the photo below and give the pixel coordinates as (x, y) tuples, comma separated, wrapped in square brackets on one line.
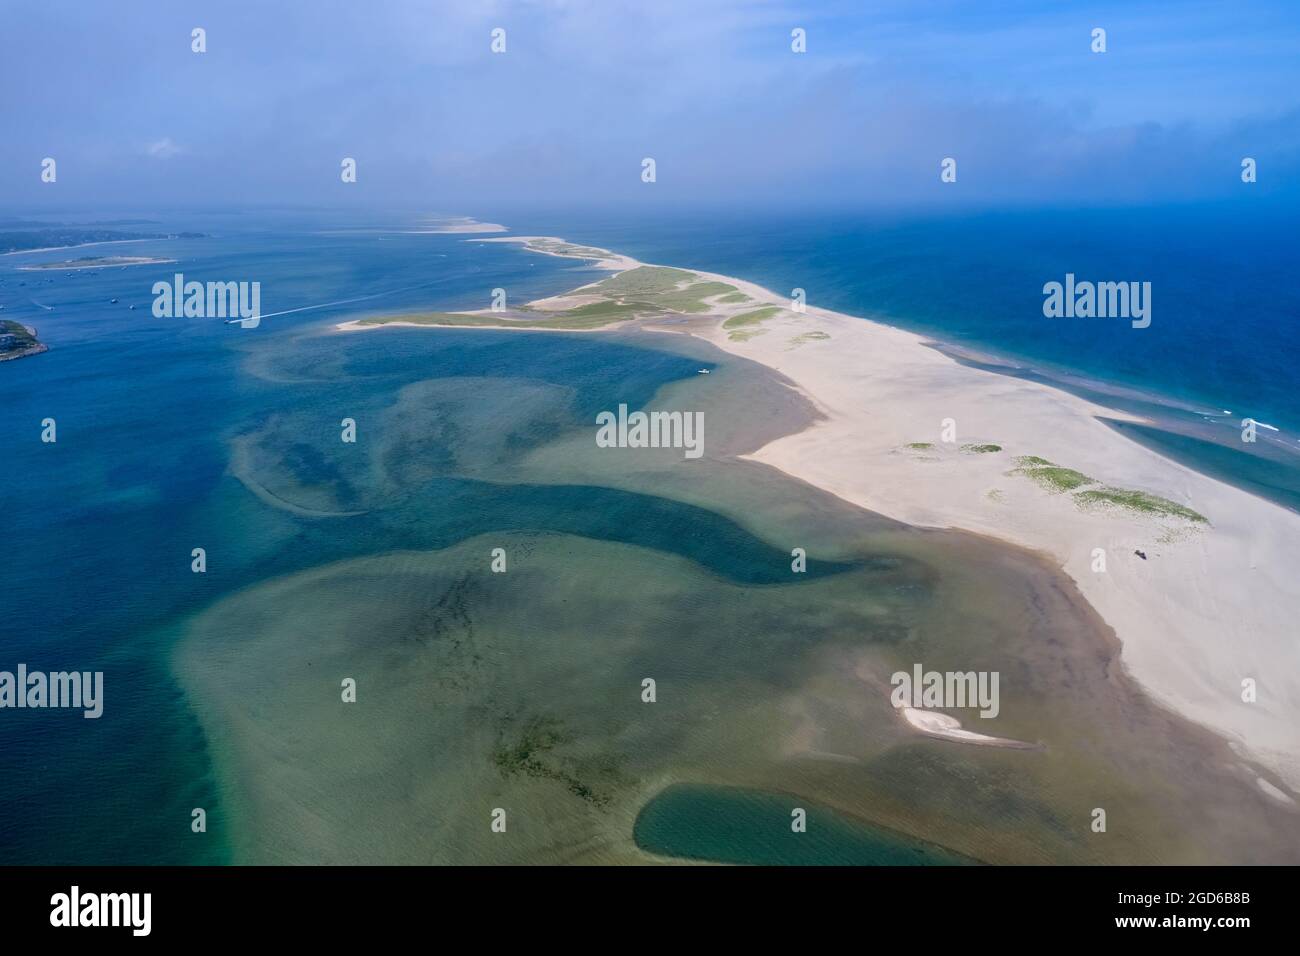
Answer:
[(643, 291), (1140, 502), (1049, 475), (691, 298), (1055, 478), (751, 318), (806, 337), (558, 248), (643, 280), (594, 315)]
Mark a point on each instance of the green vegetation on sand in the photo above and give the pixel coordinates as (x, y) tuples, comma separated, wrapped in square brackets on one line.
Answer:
[(673, 290), (691, 299), (805, 337), (594, 315), (643, 280), (1055, 478), (1048, 475), (1138, 501), (557, 248), (751, 318), (636, 293)]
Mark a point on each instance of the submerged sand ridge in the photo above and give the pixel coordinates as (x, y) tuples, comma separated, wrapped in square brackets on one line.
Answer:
[(522, 691), (1206, 608)]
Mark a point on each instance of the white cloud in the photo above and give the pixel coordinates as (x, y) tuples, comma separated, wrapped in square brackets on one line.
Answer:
[(163, 148)]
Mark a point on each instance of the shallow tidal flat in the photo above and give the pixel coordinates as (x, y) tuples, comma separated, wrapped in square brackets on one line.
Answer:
[(523, 690)]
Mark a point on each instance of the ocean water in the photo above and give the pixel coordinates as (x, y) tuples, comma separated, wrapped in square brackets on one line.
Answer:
[(175, 434), (152, 418), (98, 530), (1223, 344), (742, 826)]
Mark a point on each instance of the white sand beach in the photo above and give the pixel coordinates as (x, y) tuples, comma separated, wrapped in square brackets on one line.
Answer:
[(934, 724), (460, 224), (1209, 607), (1212, 604)]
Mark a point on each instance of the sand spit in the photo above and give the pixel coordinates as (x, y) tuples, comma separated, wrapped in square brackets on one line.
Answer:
[(1205, 612)]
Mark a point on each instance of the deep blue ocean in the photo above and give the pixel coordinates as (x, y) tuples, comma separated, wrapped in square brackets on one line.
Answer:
[(1225, 332), (96, 529), (1223, 344)]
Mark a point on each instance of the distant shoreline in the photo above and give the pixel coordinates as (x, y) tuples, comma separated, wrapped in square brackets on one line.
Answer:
[(25, 353), (75, 245), (95, 262), (36, 348), (459, 225), (104, 242)]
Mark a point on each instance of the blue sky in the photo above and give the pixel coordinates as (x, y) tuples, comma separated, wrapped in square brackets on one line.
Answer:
[(587, 88)]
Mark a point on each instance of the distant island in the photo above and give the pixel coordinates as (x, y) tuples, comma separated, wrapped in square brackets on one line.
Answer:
[(459, 224), (96, 262), (18, 341), (62, 236)]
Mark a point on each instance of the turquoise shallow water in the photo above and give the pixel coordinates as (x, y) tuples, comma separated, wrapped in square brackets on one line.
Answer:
[(98, 528), (735, 825)]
